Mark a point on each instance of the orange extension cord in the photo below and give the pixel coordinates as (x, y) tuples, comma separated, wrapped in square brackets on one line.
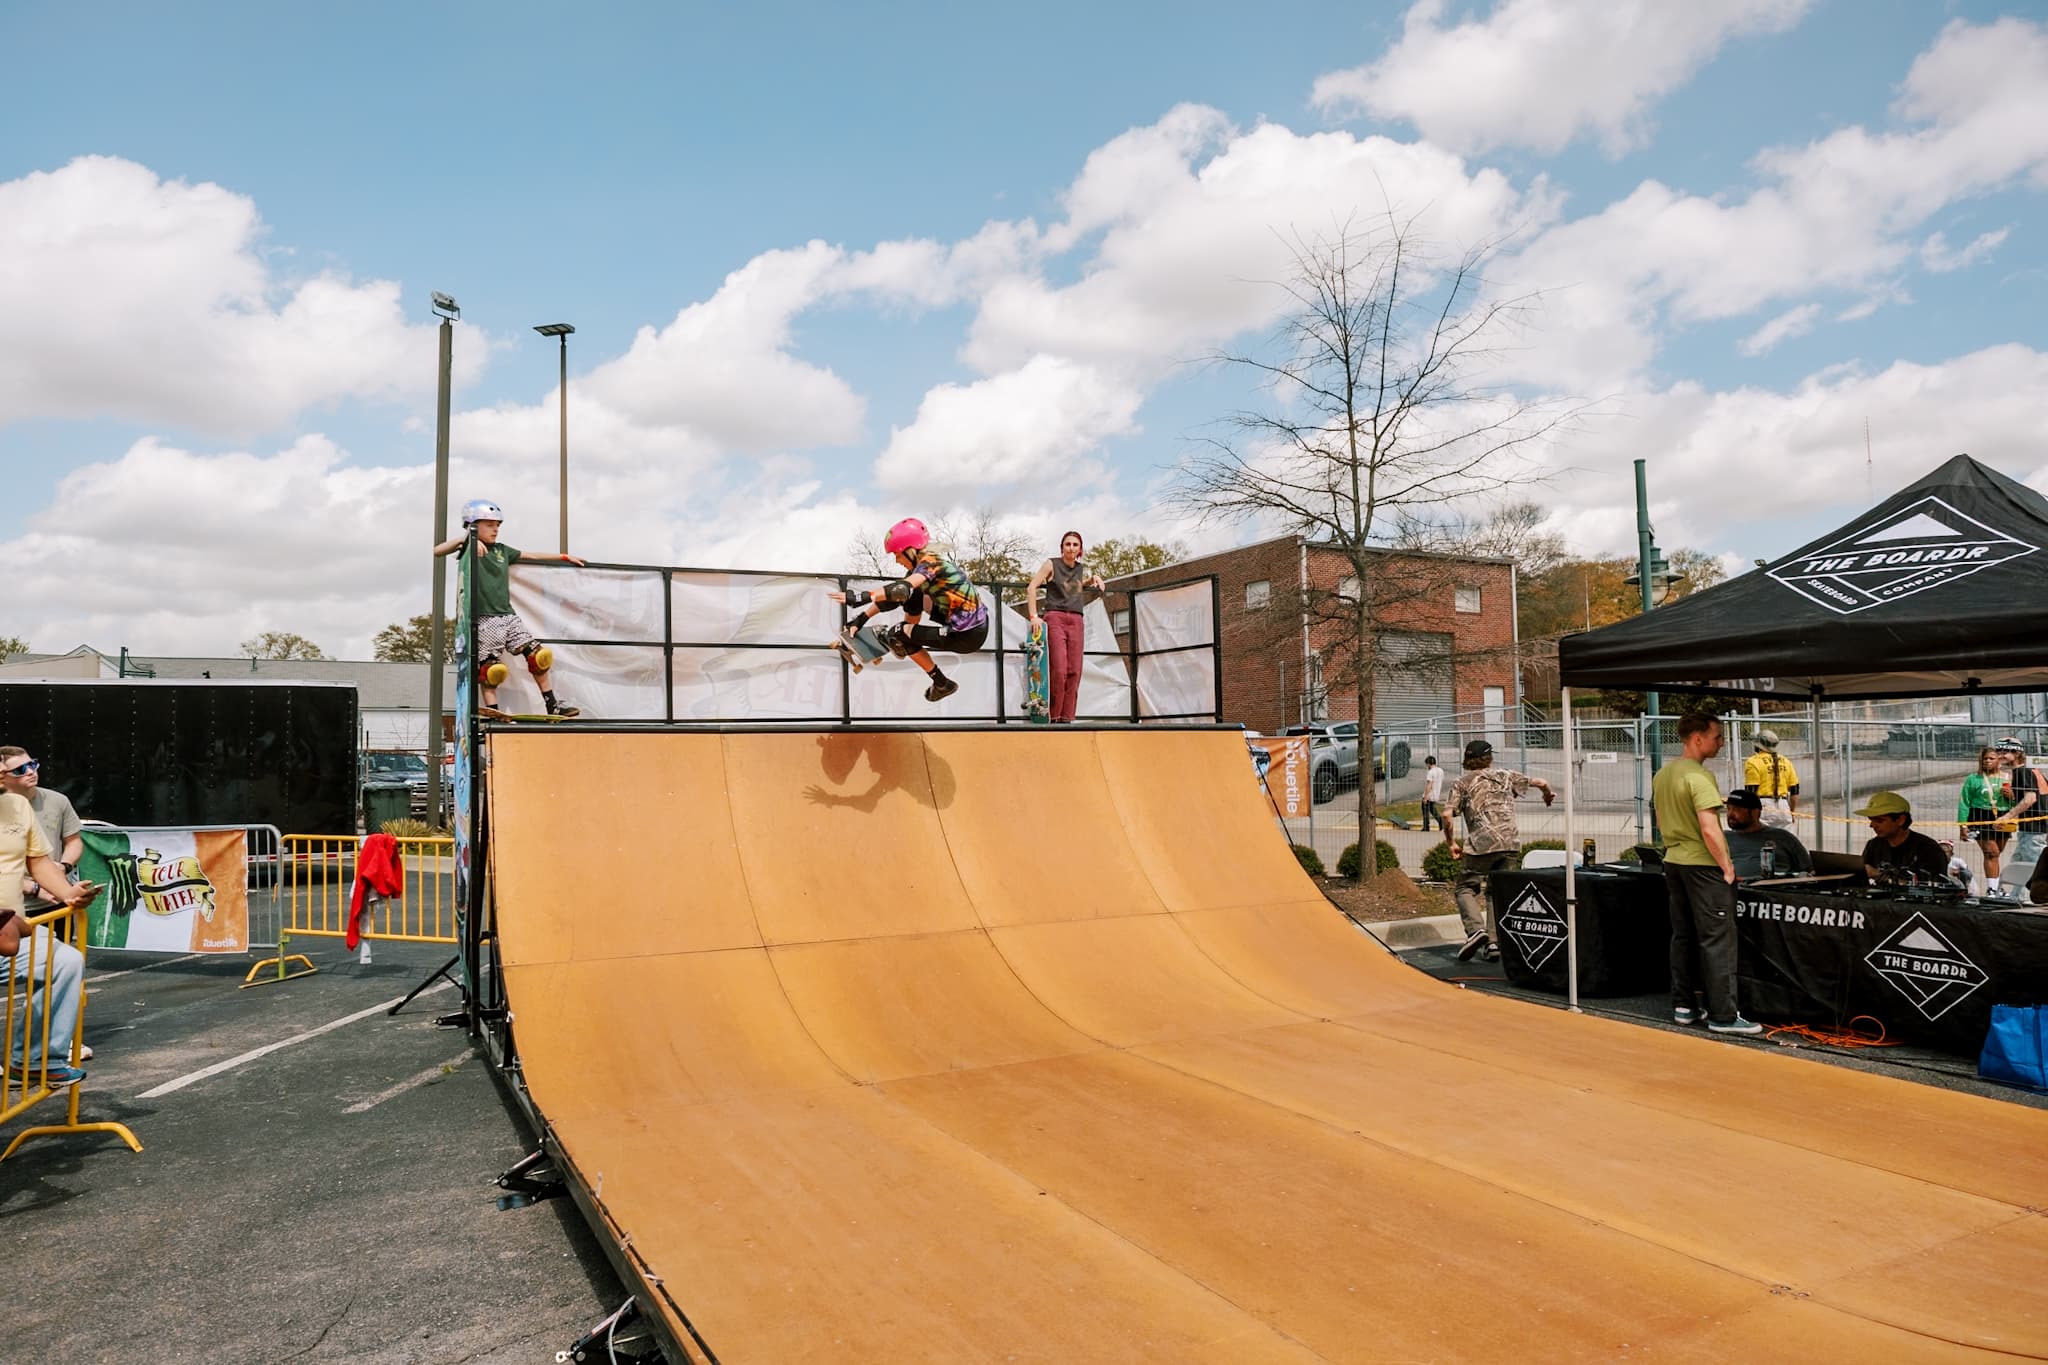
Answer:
[(1849, 1037)]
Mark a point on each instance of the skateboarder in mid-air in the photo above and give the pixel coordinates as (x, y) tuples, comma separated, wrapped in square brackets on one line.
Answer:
[(499, 631), (932, 585)]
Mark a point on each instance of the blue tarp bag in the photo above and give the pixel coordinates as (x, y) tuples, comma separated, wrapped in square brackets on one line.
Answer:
[(2016, 1048)]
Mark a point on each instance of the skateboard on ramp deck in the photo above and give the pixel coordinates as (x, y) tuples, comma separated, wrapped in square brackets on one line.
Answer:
[(1037, 676), (493, 713)]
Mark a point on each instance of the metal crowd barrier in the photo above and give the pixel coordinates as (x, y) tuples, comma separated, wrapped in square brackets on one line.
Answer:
[(31, 977), (316, 879)]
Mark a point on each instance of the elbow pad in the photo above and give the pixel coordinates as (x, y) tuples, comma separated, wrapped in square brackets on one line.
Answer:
[(899, 591)]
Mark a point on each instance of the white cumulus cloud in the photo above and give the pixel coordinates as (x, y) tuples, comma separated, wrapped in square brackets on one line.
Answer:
[(123, 294), (1540, 73)]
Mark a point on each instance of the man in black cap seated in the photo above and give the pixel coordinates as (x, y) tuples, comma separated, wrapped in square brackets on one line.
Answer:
[(1748, 836)]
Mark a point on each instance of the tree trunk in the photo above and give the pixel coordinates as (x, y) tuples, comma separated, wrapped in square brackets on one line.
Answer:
[(1368, 795)]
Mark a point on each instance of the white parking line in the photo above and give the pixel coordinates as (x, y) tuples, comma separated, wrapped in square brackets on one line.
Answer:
[(432, 1073), (95, 980), (231, 1063)]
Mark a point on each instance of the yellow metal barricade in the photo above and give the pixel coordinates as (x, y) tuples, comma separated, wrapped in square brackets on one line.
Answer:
[(317, 875), (31, 978)]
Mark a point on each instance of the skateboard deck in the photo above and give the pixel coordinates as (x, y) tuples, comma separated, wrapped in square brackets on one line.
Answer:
[(493, 713), (862, 648), (1037, 676)]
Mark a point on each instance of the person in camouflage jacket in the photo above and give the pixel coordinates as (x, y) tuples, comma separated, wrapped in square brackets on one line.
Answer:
[(1485, 797)]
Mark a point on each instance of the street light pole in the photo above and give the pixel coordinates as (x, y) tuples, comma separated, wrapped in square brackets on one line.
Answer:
[(437, 635), (562, 331)]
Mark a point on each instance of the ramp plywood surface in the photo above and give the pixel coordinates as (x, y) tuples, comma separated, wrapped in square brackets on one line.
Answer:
[(1037, 1045)]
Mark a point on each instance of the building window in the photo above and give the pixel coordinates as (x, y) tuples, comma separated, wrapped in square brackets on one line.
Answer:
[(1348, 589), (1257, 595), (1120, 621), (1468, 601)]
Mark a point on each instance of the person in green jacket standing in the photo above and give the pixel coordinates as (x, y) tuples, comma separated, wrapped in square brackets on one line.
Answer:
[(1986, 796)]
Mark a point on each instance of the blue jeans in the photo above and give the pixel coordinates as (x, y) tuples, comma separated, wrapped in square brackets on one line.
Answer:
[(25, 977)]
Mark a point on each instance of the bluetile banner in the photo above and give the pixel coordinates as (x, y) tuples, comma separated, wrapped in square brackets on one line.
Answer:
[(1923, 595), (168, 890)]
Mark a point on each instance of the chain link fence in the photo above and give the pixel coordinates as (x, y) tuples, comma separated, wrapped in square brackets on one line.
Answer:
[(1920, 749)]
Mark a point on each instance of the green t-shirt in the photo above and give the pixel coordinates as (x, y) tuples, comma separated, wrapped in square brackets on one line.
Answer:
[(493, 581), (1682, 789)]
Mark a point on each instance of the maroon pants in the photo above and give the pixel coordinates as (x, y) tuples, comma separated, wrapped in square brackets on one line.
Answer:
[(1063, 643)]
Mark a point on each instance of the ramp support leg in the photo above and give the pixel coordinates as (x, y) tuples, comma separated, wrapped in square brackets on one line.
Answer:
[(618, 1337), (445, 972)]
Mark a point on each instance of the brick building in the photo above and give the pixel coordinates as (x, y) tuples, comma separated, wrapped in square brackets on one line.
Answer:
[(1448, 638)]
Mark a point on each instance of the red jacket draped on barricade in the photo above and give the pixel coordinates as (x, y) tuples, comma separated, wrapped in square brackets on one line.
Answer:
[(379, 867)]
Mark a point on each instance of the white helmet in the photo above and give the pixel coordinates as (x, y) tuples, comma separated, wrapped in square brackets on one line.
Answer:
[(481, 509)]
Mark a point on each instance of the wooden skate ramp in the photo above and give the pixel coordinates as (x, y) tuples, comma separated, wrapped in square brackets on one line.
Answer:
[(1037, 1046)]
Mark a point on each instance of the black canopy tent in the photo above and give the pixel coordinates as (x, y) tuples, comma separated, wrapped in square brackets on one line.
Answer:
[(1936, 591)]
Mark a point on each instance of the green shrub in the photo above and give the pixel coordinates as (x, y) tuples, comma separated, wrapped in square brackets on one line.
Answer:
[(1629, 854), (1535, 844), (1311, 861), (1438, 865), (1385, 859), (408, 828)]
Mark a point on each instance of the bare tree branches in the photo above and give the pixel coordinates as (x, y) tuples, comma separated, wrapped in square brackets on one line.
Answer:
[(1381, 423)]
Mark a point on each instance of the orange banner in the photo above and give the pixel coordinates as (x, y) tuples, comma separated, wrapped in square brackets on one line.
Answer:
[(1287, 779)]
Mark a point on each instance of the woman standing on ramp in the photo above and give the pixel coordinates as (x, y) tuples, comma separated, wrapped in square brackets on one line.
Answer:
[(1069, 587)]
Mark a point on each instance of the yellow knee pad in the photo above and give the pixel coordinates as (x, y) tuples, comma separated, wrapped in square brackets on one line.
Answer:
[(491, 672), (539, 659)]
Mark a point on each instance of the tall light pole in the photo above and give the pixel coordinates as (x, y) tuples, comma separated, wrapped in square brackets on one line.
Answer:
[(1655, 578), (437, 649), (563, 331)]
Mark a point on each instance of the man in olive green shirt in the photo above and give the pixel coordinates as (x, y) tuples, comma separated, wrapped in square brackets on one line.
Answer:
[(1700, 878)]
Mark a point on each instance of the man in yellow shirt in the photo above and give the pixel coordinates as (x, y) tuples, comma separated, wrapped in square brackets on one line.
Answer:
[(1773, 778), (1699, 876)]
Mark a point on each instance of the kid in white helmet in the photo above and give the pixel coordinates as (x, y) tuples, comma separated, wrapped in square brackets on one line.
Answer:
[(499, 631)]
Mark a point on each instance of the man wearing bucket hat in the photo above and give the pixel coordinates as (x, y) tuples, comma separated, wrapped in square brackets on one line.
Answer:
[(1774, 780), (1896, 849)]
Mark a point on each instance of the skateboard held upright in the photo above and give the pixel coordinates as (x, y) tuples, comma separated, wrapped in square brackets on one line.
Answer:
[(1037, 676)]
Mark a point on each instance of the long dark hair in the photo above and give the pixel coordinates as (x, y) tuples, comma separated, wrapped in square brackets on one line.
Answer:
[(1076, 535)]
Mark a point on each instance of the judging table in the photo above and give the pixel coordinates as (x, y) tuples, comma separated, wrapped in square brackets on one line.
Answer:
[(1928, 971)]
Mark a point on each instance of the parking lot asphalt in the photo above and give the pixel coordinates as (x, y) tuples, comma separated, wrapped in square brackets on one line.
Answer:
[(329, 1199)]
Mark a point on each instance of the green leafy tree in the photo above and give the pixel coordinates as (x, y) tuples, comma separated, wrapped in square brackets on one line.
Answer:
[(412, 642), (282, 644), (1121, 555), (11, 645)]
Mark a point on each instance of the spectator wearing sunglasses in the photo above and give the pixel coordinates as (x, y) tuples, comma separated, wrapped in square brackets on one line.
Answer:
[(23, 776), (48, 971)]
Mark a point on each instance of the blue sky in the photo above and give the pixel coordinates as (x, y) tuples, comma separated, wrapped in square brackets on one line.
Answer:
[(1759, 228)]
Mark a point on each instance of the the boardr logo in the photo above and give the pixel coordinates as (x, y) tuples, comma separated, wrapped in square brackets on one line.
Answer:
[(1536, 926), (1916, 548), (1925, 967)]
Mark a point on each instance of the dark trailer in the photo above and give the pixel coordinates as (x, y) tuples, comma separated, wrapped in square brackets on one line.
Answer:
[(143, 752)]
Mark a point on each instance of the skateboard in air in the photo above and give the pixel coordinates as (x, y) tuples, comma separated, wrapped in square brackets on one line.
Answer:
[(1037, 676), (862, 648)]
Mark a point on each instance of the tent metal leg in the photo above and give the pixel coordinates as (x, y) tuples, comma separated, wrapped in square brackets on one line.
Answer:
[(1571, 880)]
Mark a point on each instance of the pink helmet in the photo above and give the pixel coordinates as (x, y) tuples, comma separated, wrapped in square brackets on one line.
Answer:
[(907, 534)]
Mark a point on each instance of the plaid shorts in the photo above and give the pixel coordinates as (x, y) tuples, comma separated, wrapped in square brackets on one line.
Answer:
[(497, 636)]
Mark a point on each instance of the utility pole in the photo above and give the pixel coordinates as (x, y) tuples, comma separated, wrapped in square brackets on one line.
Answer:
[(437, 651), (562, 332)]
